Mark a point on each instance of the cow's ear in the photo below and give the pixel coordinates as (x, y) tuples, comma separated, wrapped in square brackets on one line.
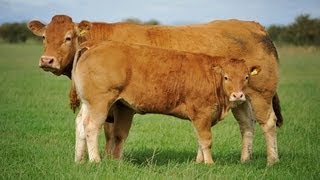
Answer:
[(83, 27), (37, 27), (254, 70), (217, 69)]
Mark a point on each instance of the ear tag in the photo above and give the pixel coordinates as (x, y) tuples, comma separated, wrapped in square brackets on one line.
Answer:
[(83, 32), (254, 72)]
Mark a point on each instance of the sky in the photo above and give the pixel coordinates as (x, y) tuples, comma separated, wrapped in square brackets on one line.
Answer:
[(267, 12)]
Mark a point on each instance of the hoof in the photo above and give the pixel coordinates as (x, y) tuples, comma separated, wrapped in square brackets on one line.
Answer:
[(272, 162)]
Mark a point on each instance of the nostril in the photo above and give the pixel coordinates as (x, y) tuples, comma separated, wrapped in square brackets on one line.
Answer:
[(50, 61), (241, 95), (234, 95)]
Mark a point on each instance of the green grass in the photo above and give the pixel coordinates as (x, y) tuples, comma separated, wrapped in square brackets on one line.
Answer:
[(37, 130)]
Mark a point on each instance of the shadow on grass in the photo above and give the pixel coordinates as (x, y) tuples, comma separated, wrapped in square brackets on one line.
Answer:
[(148, 156)]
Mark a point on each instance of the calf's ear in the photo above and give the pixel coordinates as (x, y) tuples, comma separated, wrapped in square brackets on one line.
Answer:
[(83, 27), (36, 27), (254, 70)]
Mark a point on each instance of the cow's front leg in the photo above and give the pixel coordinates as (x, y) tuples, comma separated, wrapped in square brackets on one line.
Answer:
[(80, 145), (203, 130), (245, 118), (109, 135)]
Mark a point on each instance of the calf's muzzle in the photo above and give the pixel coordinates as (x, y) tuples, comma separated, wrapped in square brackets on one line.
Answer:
[(237, 96)]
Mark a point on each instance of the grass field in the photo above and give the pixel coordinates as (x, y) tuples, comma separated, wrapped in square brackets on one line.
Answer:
[(37, 130)]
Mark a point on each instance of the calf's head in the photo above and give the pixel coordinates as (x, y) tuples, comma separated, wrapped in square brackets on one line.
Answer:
[(60, 42), (235, 77)]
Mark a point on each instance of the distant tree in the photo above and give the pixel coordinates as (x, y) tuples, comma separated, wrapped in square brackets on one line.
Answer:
[(152, 22), (138, 21), (303, 31), (15, 32), (133, 20), (275, 32)]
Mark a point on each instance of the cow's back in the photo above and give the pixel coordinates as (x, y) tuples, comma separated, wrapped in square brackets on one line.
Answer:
[(229, 38)]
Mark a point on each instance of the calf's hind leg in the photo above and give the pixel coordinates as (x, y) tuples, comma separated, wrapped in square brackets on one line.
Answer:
[(97, 113), (80, 145)]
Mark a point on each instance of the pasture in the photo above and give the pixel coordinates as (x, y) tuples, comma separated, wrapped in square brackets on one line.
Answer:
[(37, 131)]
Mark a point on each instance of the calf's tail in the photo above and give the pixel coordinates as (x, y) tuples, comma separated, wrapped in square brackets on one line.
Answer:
[(277, 110), (73, 96)]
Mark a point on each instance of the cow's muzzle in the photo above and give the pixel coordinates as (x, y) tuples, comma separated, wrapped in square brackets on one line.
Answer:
[(237, 96), (49, 63)]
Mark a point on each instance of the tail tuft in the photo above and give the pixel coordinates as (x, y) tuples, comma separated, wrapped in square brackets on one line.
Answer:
[(277, 110)]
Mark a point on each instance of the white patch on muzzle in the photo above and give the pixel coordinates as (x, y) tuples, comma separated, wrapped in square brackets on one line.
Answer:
[(237, 96)]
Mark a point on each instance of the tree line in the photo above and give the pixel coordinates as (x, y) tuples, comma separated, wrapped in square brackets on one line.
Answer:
[(303, 31)]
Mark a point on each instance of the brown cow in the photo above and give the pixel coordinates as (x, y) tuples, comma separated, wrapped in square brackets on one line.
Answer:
[(230, 38), (190, 86)]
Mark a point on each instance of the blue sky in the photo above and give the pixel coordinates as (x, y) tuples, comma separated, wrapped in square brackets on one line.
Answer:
[(166, 11)]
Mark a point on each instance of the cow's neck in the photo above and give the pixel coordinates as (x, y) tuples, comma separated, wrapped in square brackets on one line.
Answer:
[(67, 70)]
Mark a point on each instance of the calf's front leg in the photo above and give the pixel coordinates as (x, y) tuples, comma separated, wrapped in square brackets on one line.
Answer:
[(202, 127)]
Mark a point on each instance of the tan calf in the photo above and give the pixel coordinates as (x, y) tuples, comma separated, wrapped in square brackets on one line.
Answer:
[(196, 87)]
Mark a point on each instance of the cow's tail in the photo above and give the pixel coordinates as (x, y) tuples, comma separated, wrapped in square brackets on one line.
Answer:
[(277, 110)]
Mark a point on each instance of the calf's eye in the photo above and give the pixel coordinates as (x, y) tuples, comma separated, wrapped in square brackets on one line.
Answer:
[(247, 77), (43, 37), (68, 38), (225, 78)]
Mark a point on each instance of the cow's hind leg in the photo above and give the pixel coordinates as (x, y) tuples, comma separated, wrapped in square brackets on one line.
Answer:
[(266, 117), (123, 120), (203, 131), (80, 145), (245, 118)]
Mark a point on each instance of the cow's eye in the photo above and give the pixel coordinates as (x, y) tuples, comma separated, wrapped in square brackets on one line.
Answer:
[(43, 37), (226, 78), (247, 77)]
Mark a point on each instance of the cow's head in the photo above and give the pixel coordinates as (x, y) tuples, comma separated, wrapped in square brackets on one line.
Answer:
[(235, 76), (60, 42)]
